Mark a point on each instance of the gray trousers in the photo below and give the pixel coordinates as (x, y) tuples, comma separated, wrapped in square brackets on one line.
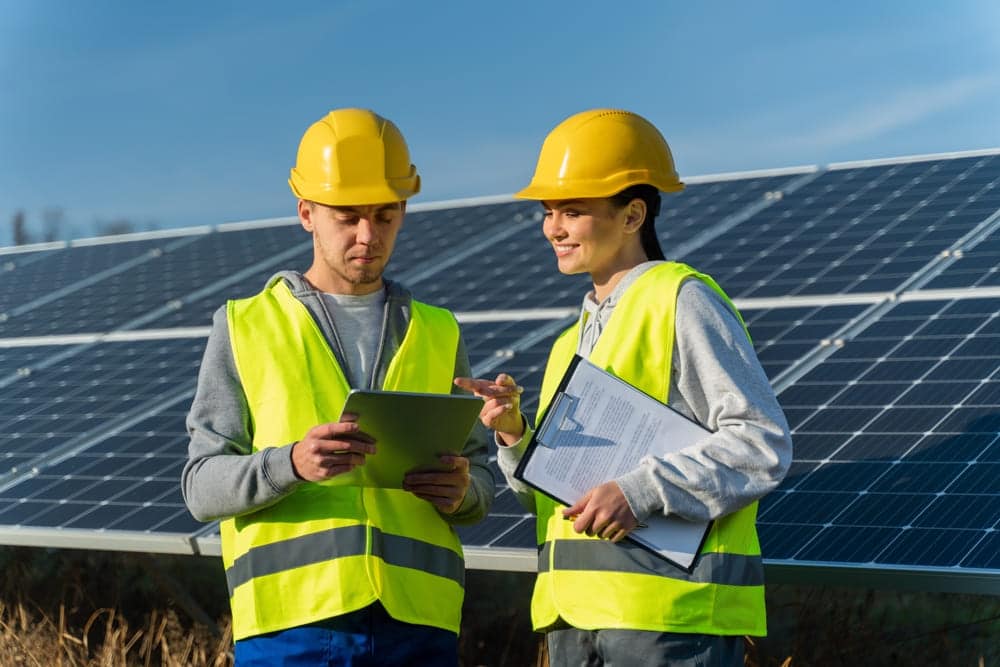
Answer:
[(570, 647)]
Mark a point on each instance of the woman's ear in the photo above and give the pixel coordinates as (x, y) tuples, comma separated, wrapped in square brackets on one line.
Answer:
[(635, 215)]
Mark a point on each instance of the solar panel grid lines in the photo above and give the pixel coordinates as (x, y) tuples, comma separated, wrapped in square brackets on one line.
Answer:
[(197, 308), (697, 234), (119, 490), (543, 333), (829, 344), (33, 277), (180, 267), (201, 296), (13, 260), (879, 237), (767, 243), (981, 245), (513, 219), (975, 263), (39, 358), (87, 391), (785, 337), (899, 446)]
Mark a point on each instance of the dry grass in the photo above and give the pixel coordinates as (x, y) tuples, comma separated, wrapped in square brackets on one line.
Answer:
[(96, 609), (30, 637), (105, 609)]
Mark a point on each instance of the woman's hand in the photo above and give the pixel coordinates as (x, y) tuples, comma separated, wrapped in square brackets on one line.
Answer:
[(603, 512), (501, 405)]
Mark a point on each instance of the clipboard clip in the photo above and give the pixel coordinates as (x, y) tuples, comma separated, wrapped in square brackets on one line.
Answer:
[(562, 409)]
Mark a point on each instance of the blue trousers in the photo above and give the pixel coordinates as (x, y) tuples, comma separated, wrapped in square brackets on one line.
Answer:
[(363, 638)]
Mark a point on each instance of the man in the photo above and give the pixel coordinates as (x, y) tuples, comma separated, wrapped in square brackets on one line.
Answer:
[(321, 571)]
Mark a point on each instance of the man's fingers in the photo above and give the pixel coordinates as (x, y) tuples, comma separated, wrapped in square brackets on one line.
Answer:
[(458, 477), (459, 463), (344, 446), (342, 463), (428, 491), (334, 430)]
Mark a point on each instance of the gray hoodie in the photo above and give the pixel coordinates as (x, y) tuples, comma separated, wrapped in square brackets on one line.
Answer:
[(716, 380), (223, 478)]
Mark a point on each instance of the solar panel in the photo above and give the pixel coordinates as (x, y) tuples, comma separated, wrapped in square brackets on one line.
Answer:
[(783, 335), (175, 271), (702, 205), (56, 407), (897, 437), (17, 362), (122, 490), (39, 275), (865, 229), (975, 265), (488, 342)]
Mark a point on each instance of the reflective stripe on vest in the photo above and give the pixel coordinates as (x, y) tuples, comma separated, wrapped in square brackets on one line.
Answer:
[(338, 543), (330, 548), (592, 583), (602, 556)]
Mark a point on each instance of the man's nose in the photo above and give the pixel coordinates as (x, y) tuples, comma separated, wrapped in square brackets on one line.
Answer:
[(365, 231)]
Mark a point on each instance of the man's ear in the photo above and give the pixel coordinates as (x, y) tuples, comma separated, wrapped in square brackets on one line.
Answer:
[(635, 215), (305, 209)]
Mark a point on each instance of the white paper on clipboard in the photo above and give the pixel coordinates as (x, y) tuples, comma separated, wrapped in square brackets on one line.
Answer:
[(599, 427)]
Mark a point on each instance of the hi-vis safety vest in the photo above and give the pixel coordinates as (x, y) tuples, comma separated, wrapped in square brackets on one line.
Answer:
[(592, 583), (329, 549)]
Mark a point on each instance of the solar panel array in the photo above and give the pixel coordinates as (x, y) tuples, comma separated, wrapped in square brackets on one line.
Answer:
[(871, 291)]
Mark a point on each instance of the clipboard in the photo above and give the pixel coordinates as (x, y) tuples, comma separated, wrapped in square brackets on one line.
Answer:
[(597, 427), (411, 430)]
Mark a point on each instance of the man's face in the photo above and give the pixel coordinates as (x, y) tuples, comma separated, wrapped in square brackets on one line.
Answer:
[(352, 244)]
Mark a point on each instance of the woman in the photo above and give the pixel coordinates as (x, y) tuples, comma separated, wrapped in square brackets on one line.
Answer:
[(671, 332)]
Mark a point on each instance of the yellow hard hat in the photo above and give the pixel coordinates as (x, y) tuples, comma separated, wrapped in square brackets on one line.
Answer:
[(352, 157), (599, 153)]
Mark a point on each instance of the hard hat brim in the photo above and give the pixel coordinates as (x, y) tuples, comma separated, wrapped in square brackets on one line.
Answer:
[(358, 195), (589, 190)]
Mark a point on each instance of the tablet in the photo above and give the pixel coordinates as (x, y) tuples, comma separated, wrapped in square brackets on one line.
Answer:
[(411, 430)]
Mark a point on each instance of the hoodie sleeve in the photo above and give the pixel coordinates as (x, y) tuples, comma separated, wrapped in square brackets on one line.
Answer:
[(222, 478), (718, 381)]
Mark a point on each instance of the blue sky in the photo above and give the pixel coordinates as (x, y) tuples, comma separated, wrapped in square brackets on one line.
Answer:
[(178, 114)]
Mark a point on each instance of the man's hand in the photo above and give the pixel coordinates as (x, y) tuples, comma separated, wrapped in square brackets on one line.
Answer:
[(604, 512), (445, 489), (328, 450), (501, 405)]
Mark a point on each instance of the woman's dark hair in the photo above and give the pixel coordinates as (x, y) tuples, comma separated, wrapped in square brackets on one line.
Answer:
[(647, 233)]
